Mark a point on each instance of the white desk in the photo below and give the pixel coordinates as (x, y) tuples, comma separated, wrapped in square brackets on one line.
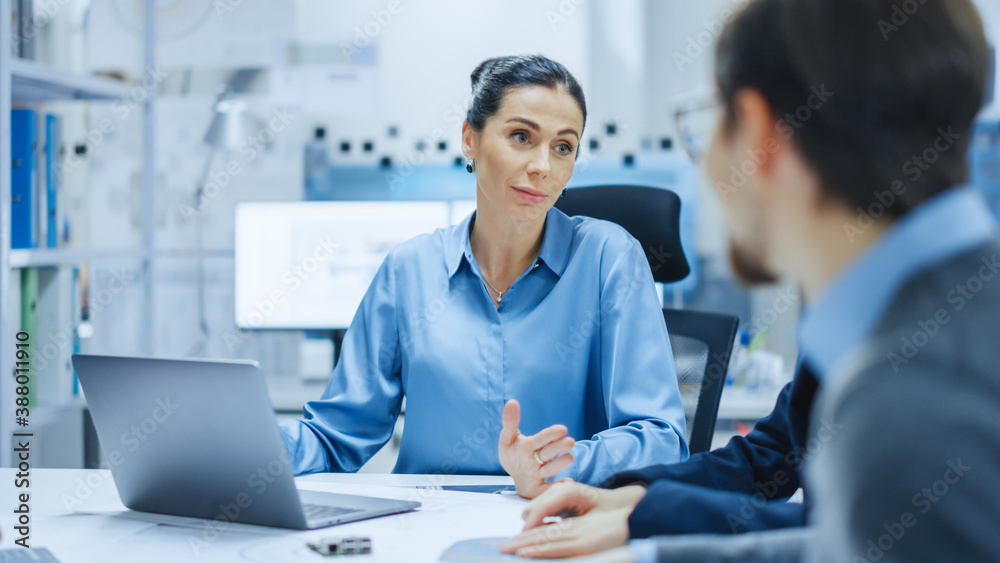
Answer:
[(77, 515)]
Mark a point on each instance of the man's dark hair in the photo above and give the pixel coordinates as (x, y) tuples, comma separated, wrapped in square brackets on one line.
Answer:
[(494, 77), (890, 78)]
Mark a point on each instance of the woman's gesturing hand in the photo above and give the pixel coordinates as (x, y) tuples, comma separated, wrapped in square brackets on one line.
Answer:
[(530, 460)]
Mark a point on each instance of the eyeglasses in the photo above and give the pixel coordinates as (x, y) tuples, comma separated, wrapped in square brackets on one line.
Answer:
[(696, 123)]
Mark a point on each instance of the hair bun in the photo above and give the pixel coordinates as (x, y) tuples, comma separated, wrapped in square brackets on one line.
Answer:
[(495, 76), (482, 69)]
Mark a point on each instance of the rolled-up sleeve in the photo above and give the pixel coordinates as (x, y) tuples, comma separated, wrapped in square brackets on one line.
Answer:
[(356, 414), (641, 398)]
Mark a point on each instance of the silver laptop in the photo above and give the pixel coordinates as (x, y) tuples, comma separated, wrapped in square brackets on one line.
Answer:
[(200, 439)]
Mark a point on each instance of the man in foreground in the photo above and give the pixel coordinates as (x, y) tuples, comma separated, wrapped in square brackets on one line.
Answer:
[(849, 128)]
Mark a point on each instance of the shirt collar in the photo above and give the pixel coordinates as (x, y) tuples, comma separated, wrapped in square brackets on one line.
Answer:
[(456, 241), (847, 310), (554, 253)]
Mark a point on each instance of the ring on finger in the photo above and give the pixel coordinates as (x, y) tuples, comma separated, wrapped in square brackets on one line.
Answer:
[(538, 459)]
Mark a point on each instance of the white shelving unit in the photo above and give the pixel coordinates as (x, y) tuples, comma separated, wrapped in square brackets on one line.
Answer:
[(36, 83), (24, 82), (51, 258)]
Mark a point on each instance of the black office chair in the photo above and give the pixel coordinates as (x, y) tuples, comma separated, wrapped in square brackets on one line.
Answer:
[(702, 342), (651, 215)]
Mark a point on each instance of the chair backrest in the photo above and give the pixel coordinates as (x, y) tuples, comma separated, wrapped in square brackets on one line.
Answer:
[(702, 344), (651, 215)]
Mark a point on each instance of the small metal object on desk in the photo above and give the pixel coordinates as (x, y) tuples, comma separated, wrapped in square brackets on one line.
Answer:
[(351, 545)]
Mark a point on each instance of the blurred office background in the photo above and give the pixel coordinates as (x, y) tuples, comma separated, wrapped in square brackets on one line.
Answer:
[(254, 106)]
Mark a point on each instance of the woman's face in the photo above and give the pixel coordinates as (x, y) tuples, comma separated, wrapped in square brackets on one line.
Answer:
[(524, 155)]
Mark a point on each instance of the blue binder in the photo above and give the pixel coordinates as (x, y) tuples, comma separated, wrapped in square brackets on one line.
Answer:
[(23, 173), (51, 179)]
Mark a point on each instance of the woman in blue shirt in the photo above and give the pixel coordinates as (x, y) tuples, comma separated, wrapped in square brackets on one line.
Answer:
[(517, 307)]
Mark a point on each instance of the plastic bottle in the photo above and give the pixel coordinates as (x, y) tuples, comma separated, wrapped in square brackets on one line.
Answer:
[(317, 166), (736, 374)]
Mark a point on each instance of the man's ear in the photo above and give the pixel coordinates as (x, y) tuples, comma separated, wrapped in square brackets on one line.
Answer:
[(468, 140), (756, 133)]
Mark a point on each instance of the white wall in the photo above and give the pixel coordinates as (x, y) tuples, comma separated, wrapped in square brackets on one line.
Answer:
[(618, 63), (425, 54), (635, 58), (681, 44)]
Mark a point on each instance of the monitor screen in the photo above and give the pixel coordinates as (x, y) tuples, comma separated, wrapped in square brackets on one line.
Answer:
[(306, 265)]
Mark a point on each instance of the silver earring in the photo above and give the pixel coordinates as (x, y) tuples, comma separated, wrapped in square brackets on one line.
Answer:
[(471, 166)]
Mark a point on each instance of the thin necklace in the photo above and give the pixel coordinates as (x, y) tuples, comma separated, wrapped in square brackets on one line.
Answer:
[(499, 293)]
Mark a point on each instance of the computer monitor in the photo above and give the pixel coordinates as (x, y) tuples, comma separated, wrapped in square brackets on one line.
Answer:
[(306, 265)]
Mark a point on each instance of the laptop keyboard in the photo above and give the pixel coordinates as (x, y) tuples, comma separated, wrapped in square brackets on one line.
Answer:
[(325, 511)]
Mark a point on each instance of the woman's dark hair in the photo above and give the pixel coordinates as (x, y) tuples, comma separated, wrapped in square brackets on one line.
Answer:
[(879, 95), (493, 77)]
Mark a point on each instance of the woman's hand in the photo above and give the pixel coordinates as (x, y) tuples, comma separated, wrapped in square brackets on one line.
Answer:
[(520, 454)]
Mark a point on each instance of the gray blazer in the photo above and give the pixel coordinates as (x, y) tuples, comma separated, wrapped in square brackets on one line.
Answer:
[(911, 471), (905, 449)]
